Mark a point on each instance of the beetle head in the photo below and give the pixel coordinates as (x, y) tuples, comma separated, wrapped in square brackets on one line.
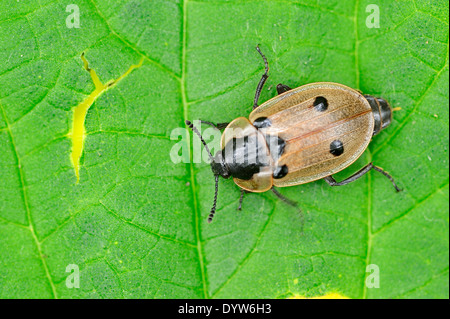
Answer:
[(219, 167)]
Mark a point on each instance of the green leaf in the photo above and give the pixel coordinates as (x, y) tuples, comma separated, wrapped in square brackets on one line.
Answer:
[(135, 224)]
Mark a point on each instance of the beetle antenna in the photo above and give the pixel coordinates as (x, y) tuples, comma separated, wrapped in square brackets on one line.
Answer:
[(213, 209), (194, 129)]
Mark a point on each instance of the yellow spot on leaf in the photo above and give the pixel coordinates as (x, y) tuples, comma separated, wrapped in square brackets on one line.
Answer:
[(332, 295), (79, 114)]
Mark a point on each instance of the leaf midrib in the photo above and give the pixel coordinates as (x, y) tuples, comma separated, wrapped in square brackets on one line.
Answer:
[(197, 213)]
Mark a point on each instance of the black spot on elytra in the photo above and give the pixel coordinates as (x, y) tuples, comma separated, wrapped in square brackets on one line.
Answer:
[(280, 172), (261, 122), (320, 104), (336, 148)]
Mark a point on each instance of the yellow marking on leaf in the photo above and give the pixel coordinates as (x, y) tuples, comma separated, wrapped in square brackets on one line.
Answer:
[(332, 295), (79, 114)]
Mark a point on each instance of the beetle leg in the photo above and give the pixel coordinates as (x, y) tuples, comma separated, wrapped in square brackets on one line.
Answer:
[(241, 198), (219, 126), (292, 203), (379, 169), (281, 88), (263, 79), (332, 182), (284, 199)]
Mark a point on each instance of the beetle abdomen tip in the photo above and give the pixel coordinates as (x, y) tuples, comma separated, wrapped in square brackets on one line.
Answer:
[(386, 112), (382, 113)]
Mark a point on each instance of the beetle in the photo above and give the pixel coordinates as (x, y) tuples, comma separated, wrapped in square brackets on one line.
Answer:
[(299, 136)]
